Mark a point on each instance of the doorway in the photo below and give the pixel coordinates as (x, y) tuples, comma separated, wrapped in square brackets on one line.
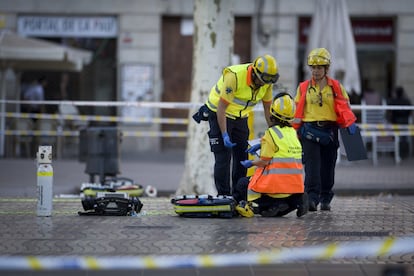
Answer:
[(177, 53)]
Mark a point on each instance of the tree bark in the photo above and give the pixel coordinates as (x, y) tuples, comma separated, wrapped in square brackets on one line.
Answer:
[(213, 47)]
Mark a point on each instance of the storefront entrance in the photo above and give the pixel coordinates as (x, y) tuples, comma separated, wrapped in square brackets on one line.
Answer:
[(177, 53)]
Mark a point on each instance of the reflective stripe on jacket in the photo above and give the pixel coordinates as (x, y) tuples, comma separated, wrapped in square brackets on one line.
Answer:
[(284, 173), (244, 99), (344, 115)]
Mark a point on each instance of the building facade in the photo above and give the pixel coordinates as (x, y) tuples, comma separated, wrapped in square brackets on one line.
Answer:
[(142, 49)]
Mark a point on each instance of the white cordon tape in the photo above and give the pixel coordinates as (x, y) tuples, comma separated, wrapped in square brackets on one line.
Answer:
[(367, 129), (386, 128), (99, 118), (358, 249), (387, 133), (164, 105), (178, 105), (76, 133), (181, 134), (151, 191)]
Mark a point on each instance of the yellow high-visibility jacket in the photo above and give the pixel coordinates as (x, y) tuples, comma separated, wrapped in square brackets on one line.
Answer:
[(244, 97)]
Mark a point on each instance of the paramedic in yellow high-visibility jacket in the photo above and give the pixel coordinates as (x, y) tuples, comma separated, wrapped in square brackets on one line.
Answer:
[(229, 104)]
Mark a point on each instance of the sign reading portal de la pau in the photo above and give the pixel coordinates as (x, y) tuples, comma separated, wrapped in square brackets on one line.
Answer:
[(68, 26)]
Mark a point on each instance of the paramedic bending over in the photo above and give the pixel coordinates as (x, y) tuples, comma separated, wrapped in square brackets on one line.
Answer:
[(230, 102)]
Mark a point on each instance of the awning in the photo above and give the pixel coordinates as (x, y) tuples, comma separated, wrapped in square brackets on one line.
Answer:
[(22, 53)]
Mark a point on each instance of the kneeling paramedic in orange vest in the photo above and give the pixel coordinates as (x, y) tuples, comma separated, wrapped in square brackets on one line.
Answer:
[(276, 187)]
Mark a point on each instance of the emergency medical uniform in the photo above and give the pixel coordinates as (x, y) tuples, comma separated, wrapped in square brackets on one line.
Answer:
[(277, 187), (283, 176), (236, 88), (325, 110), (275, 183)]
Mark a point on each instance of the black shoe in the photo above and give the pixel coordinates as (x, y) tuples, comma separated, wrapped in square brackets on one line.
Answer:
[(312, 206), (274, 211), (303, 207), (325, 207)]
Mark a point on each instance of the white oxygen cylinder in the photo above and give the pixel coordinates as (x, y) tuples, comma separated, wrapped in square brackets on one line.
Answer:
[(44, 181)]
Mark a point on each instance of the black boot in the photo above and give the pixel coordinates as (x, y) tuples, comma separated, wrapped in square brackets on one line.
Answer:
[(325, 207), (274, 211), (303, 207), (312, 206)]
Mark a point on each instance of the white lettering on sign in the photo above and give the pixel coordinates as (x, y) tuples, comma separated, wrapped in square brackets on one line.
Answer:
[(61, 26), (384, 31)]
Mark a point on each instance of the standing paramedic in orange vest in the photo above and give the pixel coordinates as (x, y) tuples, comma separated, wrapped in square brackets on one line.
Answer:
[(276, 187), (229, 104), (322, 106)]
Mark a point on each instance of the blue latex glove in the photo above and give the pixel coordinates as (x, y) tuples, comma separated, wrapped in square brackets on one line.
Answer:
[(352, 129), (253, 149), (247, 163), (227, 141)]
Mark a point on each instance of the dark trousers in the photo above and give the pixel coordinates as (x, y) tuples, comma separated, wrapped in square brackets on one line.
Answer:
[(265, 202), (319, 162), (227, 161)]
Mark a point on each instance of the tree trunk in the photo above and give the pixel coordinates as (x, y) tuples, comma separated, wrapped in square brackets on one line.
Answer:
[(213, 47)]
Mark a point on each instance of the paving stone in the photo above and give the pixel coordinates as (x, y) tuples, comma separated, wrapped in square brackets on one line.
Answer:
[(158, 230)]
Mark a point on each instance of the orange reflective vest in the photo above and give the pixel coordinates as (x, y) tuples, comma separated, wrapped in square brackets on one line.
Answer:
[(344, 115), (284, 173)]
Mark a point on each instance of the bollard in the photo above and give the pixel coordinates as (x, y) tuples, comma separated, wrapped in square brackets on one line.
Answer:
[(44, 181)]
